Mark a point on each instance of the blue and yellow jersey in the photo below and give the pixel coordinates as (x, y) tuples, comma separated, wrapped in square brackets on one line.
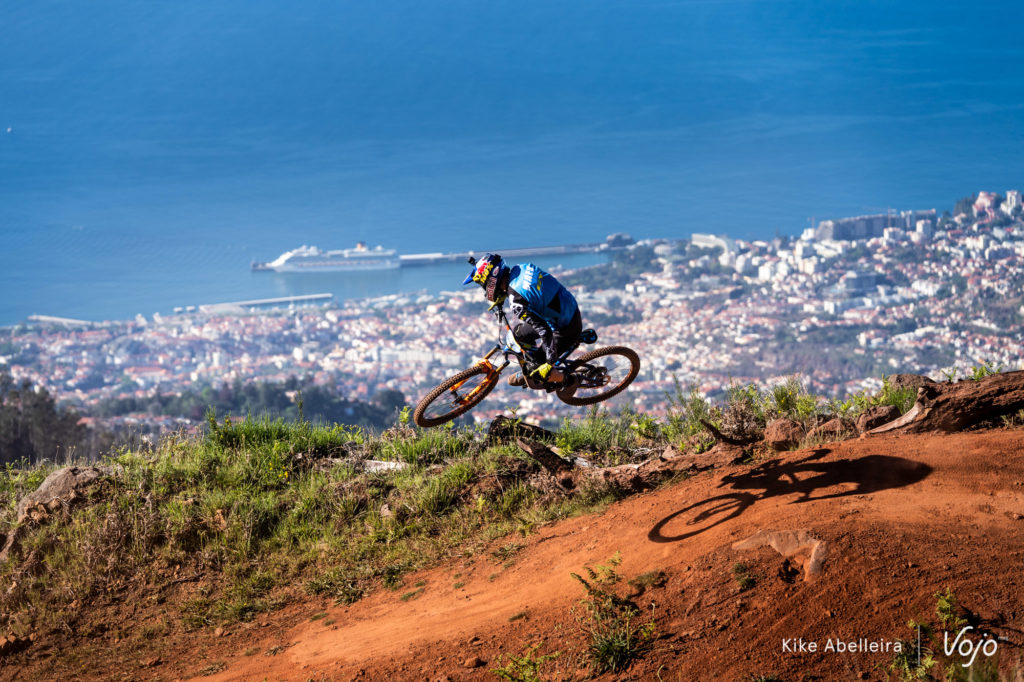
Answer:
[(544, 296)]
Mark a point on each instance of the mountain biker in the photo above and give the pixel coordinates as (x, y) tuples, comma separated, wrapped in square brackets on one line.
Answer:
[(545, 317)]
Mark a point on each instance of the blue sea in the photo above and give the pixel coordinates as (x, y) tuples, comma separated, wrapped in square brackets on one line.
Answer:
[(149, 151)]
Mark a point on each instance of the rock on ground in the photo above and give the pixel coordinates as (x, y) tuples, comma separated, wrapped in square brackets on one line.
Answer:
[(834, 429), (876, 416), (783, 433), (60, 487), (909, 380), (506, 430), (790, 543)]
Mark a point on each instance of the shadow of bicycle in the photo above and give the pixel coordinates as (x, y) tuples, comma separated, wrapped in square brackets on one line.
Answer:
[(804, 477)]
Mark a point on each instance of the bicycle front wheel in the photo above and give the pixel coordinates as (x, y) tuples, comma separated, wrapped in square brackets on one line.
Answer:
[(601, 374), (455, 396)]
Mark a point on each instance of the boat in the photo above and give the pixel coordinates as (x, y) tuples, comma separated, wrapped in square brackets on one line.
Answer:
[(312, 259)]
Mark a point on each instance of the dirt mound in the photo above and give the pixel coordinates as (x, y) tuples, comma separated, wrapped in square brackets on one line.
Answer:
[(902, 518)]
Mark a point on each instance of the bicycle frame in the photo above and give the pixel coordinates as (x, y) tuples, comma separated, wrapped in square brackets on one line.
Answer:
[(507, 351)]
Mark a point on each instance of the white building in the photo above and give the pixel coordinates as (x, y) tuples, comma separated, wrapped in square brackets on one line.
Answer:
[(712, 241), (1013, 201)]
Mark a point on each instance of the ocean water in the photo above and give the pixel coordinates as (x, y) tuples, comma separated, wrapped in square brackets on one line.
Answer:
[(150, 151)]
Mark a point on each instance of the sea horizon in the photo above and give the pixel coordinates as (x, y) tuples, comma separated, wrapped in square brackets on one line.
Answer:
[(141, 175)]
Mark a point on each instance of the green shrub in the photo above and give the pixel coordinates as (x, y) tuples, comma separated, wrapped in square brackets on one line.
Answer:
[(339, 583), (686, 413), (947, 608), (915, 659), (612, 624), (745, 413), (525, 667), (791, 399), (979, 372), (744, 578), (598, 431), (903, 398)]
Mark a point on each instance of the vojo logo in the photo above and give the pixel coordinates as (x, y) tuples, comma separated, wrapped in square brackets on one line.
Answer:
[(967, 648)]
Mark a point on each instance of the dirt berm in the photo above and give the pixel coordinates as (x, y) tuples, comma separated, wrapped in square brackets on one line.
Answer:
[(876, 527)]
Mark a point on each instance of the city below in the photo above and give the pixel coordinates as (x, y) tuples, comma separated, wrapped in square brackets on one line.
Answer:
[(847, 302)]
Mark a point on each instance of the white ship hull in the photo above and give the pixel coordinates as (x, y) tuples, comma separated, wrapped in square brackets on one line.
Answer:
[(337, 266), (312, 259)]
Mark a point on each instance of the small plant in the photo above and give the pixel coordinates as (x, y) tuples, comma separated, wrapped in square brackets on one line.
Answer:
[(391, 576), (213, 669), (915, 659), (336, 583), (525, 667), (688, 410), (979, 372), (744, 578), (645, 426), (507, 552), (744, 416), (764, 678), (790, 399), (597, 433), (841, 408), (903, 398), (411, 595), (1013, 420), (947, 609), (645, 581), (610, 621)]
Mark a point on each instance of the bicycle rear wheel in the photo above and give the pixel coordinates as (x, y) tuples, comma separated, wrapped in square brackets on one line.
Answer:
[(455, 396), (601, 374)]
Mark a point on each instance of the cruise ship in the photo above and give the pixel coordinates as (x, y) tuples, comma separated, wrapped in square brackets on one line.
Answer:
[(312, 259)]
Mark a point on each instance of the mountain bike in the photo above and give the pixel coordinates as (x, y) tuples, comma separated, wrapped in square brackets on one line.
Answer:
[(595, 376)]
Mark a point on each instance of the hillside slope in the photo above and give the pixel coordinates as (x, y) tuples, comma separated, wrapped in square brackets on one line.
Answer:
[(904, 517)]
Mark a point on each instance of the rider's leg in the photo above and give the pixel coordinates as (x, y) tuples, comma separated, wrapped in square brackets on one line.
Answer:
[(530, 338), (569, 334), (525, 334), (527, 337)]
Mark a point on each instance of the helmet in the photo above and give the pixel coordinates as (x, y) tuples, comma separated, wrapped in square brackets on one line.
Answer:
[(490, 272)]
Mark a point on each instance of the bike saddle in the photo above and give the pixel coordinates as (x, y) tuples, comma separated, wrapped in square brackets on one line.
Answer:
[(588, 336)]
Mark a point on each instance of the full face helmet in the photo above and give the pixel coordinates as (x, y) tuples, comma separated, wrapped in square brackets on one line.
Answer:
[(491, 273)]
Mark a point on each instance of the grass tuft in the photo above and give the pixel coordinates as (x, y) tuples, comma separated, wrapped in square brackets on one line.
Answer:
[(617, 635)]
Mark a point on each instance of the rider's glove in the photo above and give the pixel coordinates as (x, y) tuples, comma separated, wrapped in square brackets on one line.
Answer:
[(543, 370)]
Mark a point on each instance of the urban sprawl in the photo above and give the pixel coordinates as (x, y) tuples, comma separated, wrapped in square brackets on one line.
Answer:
[(845, 303)]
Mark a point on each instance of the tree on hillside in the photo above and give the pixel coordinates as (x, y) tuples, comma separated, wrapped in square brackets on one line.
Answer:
[(31, 425), (964, 206), (389, 400), (319, 403)]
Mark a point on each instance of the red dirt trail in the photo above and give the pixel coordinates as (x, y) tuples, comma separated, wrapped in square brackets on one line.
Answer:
[(903, 518)]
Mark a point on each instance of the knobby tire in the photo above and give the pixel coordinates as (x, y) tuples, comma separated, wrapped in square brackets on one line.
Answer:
[(426, 422), (628, 353)]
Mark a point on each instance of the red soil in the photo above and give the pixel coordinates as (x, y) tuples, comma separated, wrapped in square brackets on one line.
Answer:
[(904, 517)]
